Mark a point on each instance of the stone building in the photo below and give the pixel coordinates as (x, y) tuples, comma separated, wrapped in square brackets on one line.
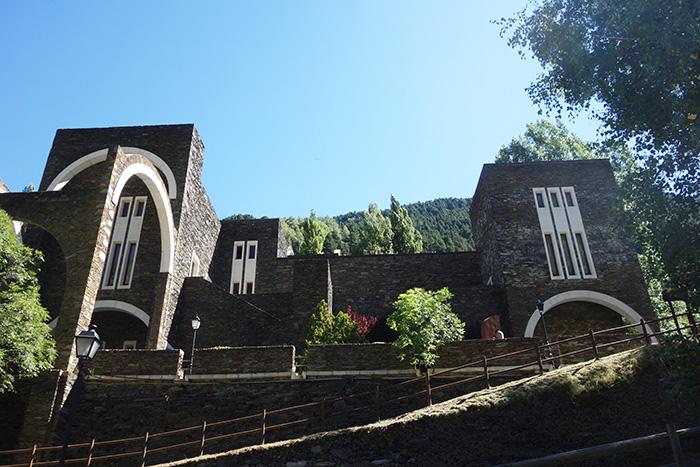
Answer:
[(132, 244)]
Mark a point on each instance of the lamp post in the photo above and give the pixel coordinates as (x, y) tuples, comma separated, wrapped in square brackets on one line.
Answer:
[(195, 325), (540, 308), (86, 345)]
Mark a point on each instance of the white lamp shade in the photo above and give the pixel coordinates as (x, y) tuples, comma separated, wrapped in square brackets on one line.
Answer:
[(87, 343), (195, 322)]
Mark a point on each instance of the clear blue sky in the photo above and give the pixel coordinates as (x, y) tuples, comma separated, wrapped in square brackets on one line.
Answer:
[(301, 104)]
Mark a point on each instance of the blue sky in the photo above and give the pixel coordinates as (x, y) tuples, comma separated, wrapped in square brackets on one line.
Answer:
[(301, 105)]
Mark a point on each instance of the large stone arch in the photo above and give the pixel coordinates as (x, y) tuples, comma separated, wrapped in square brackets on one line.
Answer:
[(165, 214), (612, 303), (100, 155)]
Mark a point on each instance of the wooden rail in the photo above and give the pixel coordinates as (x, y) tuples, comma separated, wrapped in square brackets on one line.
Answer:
[(426, 388)]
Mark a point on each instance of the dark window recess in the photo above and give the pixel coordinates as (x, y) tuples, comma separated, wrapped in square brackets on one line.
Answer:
[(239, 251), (114, 263), (584, 256), (130, 256), (139, 208), (125, 209), (251, 253), (249, 288), (236, 288), (552, 255), (567, 255), (555, 200), (540, 200), (569, 198)]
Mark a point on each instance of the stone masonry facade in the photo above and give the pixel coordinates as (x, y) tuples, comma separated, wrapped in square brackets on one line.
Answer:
[(133, 244)]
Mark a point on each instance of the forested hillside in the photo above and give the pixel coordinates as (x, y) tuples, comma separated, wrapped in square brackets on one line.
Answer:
[(443, 224)]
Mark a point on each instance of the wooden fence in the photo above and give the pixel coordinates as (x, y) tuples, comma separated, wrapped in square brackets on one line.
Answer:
[(258, 426)]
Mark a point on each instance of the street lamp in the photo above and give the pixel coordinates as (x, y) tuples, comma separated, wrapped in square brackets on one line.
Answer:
[(195, 325), (540, 308), (86, 345)]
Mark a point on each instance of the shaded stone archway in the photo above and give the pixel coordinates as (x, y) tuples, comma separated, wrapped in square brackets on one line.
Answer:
[(81, 222), (622, 309)]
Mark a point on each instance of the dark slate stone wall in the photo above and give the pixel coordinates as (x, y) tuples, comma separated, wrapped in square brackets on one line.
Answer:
[(272, 276), (197, 231), (231, 320), (137, 362), (385, 356), (508, 233), (262, 359), (371, 284)]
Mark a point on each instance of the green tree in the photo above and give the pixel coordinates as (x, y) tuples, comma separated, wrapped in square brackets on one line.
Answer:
[(292, 232), (424, 322), (405, 237), (638, 61), (327, 328), (637, 58), (375, 237), (313, 233), (26, 347), (546, 141)]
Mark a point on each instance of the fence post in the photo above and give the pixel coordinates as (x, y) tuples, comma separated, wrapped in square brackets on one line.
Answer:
[(31, 456), (675, 444), (89, 455), (204, 433), (262, 435), (539, 358), (144, 450), (644, 330), (376, 402), (595, 346), (486, 372), (427, 386), (323, 414)]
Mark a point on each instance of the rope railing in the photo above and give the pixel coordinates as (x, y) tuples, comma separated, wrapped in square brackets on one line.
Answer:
[(590, 343)]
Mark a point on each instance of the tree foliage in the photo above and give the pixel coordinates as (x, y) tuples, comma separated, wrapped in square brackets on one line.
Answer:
[(639, 59), (679, 356), (405, 237), (327, 328), (376, 234), (443, 224), (424, 322), (26, 347), (546, 141), (314, 234)]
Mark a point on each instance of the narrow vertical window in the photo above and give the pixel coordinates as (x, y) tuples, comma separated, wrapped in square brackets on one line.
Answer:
[(114, 263), (239, 251), (236, 288), (130, 256), (555, 199), (249, 288), (584, 254), (567, 255), (139, 208), (125, 209), (540, 200), (552, 255), (251, 253), (569, 198)]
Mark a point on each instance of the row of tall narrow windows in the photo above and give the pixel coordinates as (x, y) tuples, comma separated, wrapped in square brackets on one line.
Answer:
[(565, 241), (124, 244), (243, 267)]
